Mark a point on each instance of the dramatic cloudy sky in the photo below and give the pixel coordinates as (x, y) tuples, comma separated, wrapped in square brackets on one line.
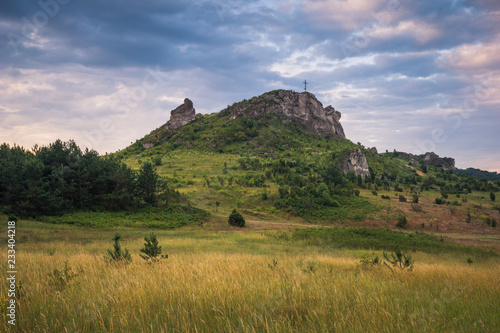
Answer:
[(408, 75)]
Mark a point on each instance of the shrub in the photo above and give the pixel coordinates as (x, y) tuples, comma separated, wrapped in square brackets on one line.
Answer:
[(439, 201), (236, 220), (151, 250), (386, 197), (367, 262), (400, 260), (444, 195), (402, 198), (415, 198), (60, 279), (117, 255), (12, 218), (157, 160), (374, 193), (416, 207), (492, 196), (402, 221)]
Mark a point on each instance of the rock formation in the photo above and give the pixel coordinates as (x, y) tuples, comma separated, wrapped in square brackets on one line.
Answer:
[(182, 115), (290, 106), (355, 161), (447, 163), (430, 158)]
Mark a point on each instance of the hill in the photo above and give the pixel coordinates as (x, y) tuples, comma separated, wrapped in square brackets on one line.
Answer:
[(282, 155), (472, 172)]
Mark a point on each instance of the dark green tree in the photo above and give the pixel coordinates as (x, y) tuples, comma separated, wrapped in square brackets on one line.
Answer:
[(236, 220), (492, 196), (148, 183)]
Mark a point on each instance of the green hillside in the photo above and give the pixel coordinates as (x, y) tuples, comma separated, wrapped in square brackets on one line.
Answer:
[(251, 156), (273, 170)]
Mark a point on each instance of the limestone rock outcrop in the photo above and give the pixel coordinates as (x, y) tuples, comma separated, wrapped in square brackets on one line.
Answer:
[(447, 163), (429, 158), (291, 106), (182, 115), (355, 161)]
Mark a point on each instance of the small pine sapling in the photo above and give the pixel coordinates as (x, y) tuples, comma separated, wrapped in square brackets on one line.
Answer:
[(152, 250), (117, 255), (400, 260)]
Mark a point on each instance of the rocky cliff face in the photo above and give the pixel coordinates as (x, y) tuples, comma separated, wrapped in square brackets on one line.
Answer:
[(447, 163), (355, 161), (182, 115), (290, 106)]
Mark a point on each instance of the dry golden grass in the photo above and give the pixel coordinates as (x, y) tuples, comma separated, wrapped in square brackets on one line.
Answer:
[(230, 284)]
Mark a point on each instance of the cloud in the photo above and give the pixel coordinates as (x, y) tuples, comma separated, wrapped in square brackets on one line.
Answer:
[(397, 69)]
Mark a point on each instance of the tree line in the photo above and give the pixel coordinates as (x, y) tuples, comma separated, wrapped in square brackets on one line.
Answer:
[(60, 178)]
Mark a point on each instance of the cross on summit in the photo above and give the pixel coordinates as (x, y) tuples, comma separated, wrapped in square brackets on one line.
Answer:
[(305, 85)]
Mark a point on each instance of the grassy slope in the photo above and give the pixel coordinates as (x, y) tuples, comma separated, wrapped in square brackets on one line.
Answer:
[(217, 281)]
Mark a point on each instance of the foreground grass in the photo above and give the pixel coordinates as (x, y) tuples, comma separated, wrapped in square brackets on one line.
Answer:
[(245, 282)]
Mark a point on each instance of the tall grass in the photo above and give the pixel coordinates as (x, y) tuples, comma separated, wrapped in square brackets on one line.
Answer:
[(220, 285)]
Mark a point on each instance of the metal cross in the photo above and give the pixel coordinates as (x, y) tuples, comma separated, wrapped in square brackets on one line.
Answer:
[(305, 85)]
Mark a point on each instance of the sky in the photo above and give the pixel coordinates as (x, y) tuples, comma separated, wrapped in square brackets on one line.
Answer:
[(410, 75)]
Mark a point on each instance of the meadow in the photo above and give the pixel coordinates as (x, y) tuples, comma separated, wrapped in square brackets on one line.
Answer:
[(220, 279)]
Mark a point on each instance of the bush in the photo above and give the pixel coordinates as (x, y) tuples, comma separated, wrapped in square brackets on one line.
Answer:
[(12, 218), (400, 260), (439, 201), (60, 279), (367, 262), (416, 207), (492, 196), (415, 198), (236, 220), (402, 221), (374, 193), (157, 160), (386, 197), (402, 198)]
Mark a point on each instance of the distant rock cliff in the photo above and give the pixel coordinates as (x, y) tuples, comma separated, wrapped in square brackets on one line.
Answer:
[(355, 161), (430, 158), (182, 115), (290, 106)]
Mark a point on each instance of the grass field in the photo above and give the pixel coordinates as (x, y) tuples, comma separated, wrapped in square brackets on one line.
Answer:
[(219, 279)]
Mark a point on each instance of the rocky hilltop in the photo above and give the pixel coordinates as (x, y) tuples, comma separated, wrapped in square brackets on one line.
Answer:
[(290, 106), (430, 158), (182, 115), (261, 122)]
